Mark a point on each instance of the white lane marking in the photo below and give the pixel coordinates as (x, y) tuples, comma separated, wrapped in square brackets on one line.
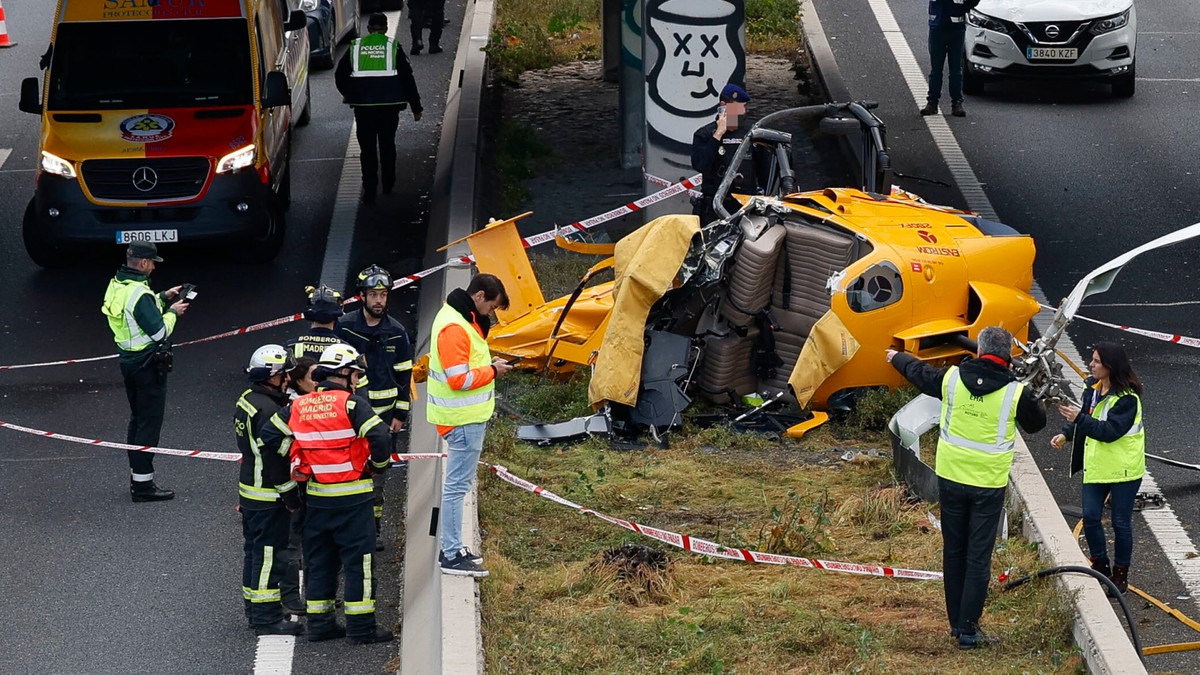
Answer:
[(1168, 79), (345, 205), (1164, 523), (1181, 303), (4, 153), (274, 655)]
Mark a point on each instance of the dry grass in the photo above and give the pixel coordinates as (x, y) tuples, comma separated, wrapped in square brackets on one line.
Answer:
[(557, 602)]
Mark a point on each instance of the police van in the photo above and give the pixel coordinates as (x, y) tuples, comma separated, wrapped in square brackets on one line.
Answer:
[(166, 121)]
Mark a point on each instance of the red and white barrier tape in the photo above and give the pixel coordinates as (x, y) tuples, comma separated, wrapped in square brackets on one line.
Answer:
[(403, 281), (1165, 337), (695, 180), (683, 541), (713, 549), (200, 454)]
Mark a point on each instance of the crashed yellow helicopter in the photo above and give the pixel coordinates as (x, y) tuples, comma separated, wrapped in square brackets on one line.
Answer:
[(796, 294)]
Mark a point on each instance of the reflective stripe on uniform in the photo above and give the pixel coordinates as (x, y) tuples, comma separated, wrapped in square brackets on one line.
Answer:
[(265, 595), (264, 574), (403, 405), (319, 606), (1001, 444), (457, 370), (331, 468), (383, 393), (331, 435), (354, 487), (403, 365), (463, 401), (359, 607), (368, 425), (258, 494)]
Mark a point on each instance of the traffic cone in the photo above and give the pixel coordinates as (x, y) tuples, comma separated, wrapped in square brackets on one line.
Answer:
[(4, 40)]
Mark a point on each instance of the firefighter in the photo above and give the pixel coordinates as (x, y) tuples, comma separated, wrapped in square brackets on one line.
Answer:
[(142, 323), (384, 343), (267, 572), (336, 444), (376, 80), (323, 310)]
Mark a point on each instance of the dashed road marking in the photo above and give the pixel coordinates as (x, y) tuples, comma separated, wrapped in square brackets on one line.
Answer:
[(4, 153)]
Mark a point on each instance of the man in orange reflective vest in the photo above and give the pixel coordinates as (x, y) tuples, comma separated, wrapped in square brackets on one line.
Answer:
[(336, 443)]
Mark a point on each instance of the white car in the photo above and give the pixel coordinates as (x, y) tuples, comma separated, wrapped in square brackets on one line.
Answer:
[(1069, 39)]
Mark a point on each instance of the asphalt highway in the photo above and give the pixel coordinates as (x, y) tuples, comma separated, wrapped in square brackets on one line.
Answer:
[(1089, 176), (90, 582)]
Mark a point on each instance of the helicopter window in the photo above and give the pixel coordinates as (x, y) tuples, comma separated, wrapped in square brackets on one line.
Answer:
[(880, 286)]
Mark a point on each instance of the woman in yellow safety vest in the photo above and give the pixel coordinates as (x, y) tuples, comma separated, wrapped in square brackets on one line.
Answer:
[(1109, 444)]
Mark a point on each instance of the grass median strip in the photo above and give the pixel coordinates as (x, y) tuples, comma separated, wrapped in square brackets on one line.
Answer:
[(569, 593)]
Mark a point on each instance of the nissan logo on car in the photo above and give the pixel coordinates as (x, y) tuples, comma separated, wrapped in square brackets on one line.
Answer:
[(144, 179), (1052, 31)]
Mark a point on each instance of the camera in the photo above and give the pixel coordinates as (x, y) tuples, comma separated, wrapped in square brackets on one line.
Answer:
[(187, 292)]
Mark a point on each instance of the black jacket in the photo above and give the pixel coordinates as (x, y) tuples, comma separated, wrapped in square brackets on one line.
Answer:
[(712, 163), (980, 377), (389, 360), (312, 343), (260, 469), (949, 12), (1120, 420), (395, 90), (359, 412)]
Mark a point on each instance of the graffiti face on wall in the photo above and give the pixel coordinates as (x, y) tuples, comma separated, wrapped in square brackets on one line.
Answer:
[(697, 49)]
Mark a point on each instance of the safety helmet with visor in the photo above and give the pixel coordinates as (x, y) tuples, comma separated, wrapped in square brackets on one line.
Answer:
[(324, 304), (374, 278), (266, 362)]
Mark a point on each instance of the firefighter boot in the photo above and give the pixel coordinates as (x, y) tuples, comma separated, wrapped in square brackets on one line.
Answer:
[(148, 491), (283, 627), (380, 634)]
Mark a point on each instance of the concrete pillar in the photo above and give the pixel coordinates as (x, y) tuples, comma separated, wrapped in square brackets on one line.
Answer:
[(691, 49), (633, 85), (610, 32)]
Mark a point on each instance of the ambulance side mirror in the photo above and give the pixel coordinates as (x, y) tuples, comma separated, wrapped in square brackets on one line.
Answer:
[(278, 94), (31, 100)]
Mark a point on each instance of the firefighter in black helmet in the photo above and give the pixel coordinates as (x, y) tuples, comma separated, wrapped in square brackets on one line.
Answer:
[(384, 343), (323, 310)]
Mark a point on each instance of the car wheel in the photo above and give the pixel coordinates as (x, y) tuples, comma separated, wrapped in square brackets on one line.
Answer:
[(38, 244), (306, 116), (325, 61), (1123, 86), (972, 83)]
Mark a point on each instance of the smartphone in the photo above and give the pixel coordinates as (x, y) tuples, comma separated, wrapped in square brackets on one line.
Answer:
[(513, 362), (187, 292), (720, 110)]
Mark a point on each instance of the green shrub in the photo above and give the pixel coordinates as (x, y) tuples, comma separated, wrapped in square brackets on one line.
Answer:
[(875, 407), (772, 19), (517, 150)]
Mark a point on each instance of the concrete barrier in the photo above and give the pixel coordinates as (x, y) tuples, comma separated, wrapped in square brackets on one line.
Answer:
[(440, 632)]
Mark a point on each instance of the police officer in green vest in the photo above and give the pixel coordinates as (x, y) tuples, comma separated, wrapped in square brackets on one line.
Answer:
[(1109, 445), (142, 323), (376, 80), (982, 404)]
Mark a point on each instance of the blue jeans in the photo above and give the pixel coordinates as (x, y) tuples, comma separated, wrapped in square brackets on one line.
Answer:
[(946, 45), (466, 445), (970, 519), (1122, 518)]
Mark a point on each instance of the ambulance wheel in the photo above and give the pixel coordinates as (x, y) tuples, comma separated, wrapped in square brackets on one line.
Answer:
[(266, 246), (38, 244)]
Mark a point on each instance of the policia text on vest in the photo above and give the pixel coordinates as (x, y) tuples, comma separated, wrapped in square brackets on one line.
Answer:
[(142, 322), (376, 80)]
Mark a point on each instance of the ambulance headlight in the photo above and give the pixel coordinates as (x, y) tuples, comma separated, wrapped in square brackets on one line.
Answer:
[(57, 165), (238, 159)]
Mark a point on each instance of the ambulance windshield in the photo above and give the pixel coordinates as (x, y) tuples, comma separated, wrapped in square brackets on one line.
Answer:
[(150, 64)]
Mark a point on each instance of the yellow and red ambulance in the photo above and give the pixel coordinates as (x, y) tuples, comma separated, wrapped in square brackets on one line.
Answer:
[(165, 121)]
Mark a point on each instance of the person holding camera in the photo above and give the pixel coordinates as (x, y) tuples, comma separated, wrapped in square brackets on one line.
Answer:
[(336, 444), (142, 322)]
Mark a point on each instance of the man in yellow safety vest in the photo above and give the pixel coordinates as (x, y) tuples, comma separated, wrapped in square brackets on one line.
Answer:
[(461, 398), (982, 404)]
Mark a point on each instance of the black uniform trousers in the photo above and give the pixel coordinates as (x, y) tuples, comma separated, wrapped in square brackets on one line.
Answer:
[(427, 14), (375, 128), (970, 520), (264, 563), (146, 390), (342, 537)]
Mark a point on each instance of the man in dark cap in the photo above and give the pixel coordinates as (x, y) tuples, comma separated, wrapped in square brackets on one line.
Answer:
[(713, 147), (376, 80), (142, 323)]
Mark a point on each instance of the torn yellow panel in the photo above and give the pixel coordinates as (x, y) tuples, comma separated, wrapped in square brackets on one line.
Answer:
[(829, 346), (646, 264)]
